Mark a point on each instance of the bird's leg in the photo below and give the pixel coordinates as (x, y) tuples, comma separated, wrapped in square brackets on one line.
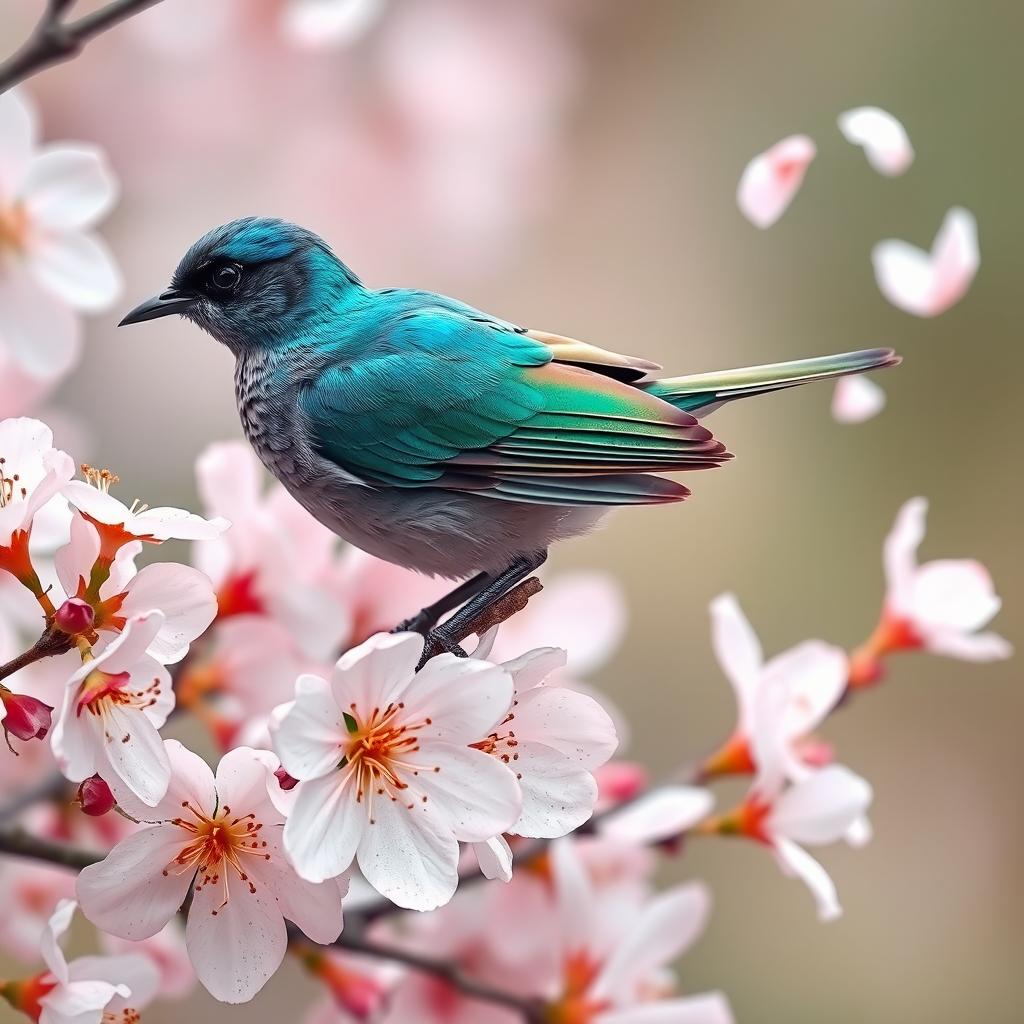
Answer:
[(426, 618), (447, 636)]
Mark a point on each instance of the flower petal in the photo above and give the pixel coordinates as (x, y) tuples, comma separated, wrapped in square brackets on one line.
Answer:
[(49, 944), (138, 887), (707, 1008), (970, 646), (663, 814), (899, 553), (325, 826), (317, 24), (69, 187), (79, 269), (557, 795), (494, 858), (572, 723), (772, 179), (796, 862), (310, 736), (18, 133), (191, 782), (235, 945), (134, 971), (374, 673), (738, 651), (136, 755), (820, 808), (315, 908), (856, 399), (882, 137), (229, 477), (952, 594)]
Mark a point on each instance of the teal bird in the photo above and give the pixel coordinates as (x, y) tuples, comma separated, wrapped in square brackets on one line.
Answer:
[(436, 436)]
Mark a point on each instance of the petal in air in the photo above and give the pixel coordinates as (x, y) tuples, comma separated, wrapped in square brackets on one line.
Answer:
[(772, 179), (882, 137), (856, 399)]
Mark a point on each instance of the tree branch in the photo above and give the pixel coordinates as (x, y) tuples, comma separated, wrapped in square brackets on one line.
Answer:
[(53, 40), (50, 644), (20, 843)]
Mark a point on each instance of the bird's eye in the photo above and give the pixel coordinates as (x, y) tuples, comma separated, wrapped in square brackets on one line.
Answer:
[(225, 276)]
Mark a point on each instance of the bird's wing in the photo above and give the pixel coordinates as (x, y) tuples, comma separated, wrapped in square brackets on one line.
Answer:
[(446, 401), (601, 360)]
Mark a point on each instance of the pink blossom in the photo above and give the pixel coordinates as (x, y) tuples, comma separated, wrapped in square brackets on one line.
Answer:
[(856, 399), (939, 606), (387, 773), (113, 706), (927, 284), (23, 715), (665, 813), (31, 890), (50, 262), (322, 24), (220, 837), (167, 952), (882, 137), (772, 179)]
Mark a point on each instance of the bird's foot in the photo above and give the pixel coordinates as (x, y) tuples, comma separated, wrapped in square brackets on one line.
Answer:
[(439, 641), (421, 622)]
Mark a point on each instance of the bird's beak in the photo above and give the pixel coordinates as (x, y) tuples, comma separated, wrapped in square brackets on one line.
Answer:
[(164, 304)]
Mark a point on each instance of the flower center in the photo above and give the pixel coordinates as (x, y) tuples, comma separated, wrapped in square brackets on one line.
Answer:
[(376, 753), (576, 1005), (218, 847), (14, 227), (101, 692), (125, 1016), (11, 487)]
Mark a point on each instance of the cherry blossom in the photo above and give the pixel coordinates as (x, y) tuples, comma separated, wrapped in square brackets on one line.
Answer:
[(358, 987), (31, 891), (32, 472), (220, 837), (812, 676), (939, 606), (614, 957), (882, 137), (51, 264), (23, 716), (113, 706), (666, 813), (387, 773), (113, 591), (167, 952), (772, 179), (927, 284), (100, 989), (317, 24), (856, 399)]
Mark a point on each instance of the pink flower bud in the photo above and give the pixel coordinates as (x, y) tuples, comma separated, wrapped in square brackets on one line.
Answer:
[(75, 616), (285, 780), (95, 797), (24, 716)]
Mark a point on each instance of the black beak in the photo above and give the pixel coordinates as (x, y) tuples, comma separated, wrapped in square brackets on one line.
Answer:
[(166, 303)]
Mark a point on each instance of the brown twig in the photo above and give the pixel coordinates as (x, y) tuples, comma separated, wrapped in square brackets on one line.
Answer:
[(49, 645), (504, 608), (20, 843), (54, 40)]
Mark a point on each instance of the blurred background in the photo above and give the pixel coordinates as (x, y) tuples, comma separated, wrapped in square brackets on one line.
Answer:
[(572, 166)]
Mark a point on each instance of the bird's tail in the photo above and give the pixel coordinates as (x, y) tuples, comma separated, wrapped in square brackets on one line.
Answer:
[(702, 393)]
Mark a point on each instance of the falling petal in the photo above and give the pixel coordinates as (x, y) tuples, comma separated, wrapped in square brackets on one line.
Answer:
[(772, 179), (883, 139), (856, 399)]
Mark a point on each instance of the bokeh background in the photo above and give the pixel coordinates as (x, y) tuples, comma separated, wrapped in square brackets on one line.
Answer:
[(572, 166)]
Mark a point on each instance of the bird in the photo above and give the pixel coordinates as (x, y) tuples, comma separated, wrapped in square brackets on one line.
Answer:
[(436, 436)]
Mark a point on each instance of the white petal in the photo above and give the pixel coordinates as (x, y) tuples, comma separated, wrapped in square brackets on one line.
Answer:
[(235, 947), (533, 667), (230, 478), (69, 187), (323, 23), (899, 554), (463, 698), (772, 179), (78, 1002), (185, 597), (815, 675), (74, 561), (663, 814), (191, 782), (952, 594), (408, 852), (325, 827), (128, 893), (574, 896), (243, 778), (177, 524), (316, 909), (135, 751), (374, 673), (927, 284), (137, 973), (18, 131), (856, 399), (557, 795), (820, 808), (42, 335), (883, 138), (969, 646), (476, 793), (738, 651), (49, 945), (310, 736), (707, 1008), (798, 863), (494, 858), (79, 269), (572, 723), (664, 929)]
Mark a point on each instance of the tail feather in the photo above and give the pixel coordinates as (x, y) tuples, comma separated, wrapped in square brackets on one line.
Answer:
[(702, 393)]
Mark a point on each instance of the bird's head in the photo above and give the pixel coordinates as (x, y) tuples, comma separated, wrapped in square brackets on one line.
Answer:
[(253, 283)]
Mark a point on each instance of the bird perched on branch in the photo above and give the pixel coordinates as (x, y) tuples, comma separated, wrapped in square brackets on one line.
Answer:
[(436, 436)]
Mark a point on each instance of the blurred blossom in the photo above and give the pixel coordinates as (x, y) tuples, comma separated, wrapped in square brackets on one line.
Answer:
[(85, 990), (167, 952), (856, 399), (666, 813), (772, 179), (359, 987), (223, 833), (811, 676), (940, 606), (882, 137), (318, 24), (927, 284), (30, 892), (51, 265)]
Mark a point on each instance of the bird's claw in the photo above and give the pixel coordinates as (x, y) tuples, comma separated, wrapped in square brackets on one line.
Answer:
[(439, 642), (420, 623)]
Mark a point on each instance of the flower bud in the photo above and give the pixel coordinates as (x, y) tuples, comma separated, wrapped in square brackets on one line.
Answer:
[(285, 781), (75, 616), (95, 797), (24, 716)]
